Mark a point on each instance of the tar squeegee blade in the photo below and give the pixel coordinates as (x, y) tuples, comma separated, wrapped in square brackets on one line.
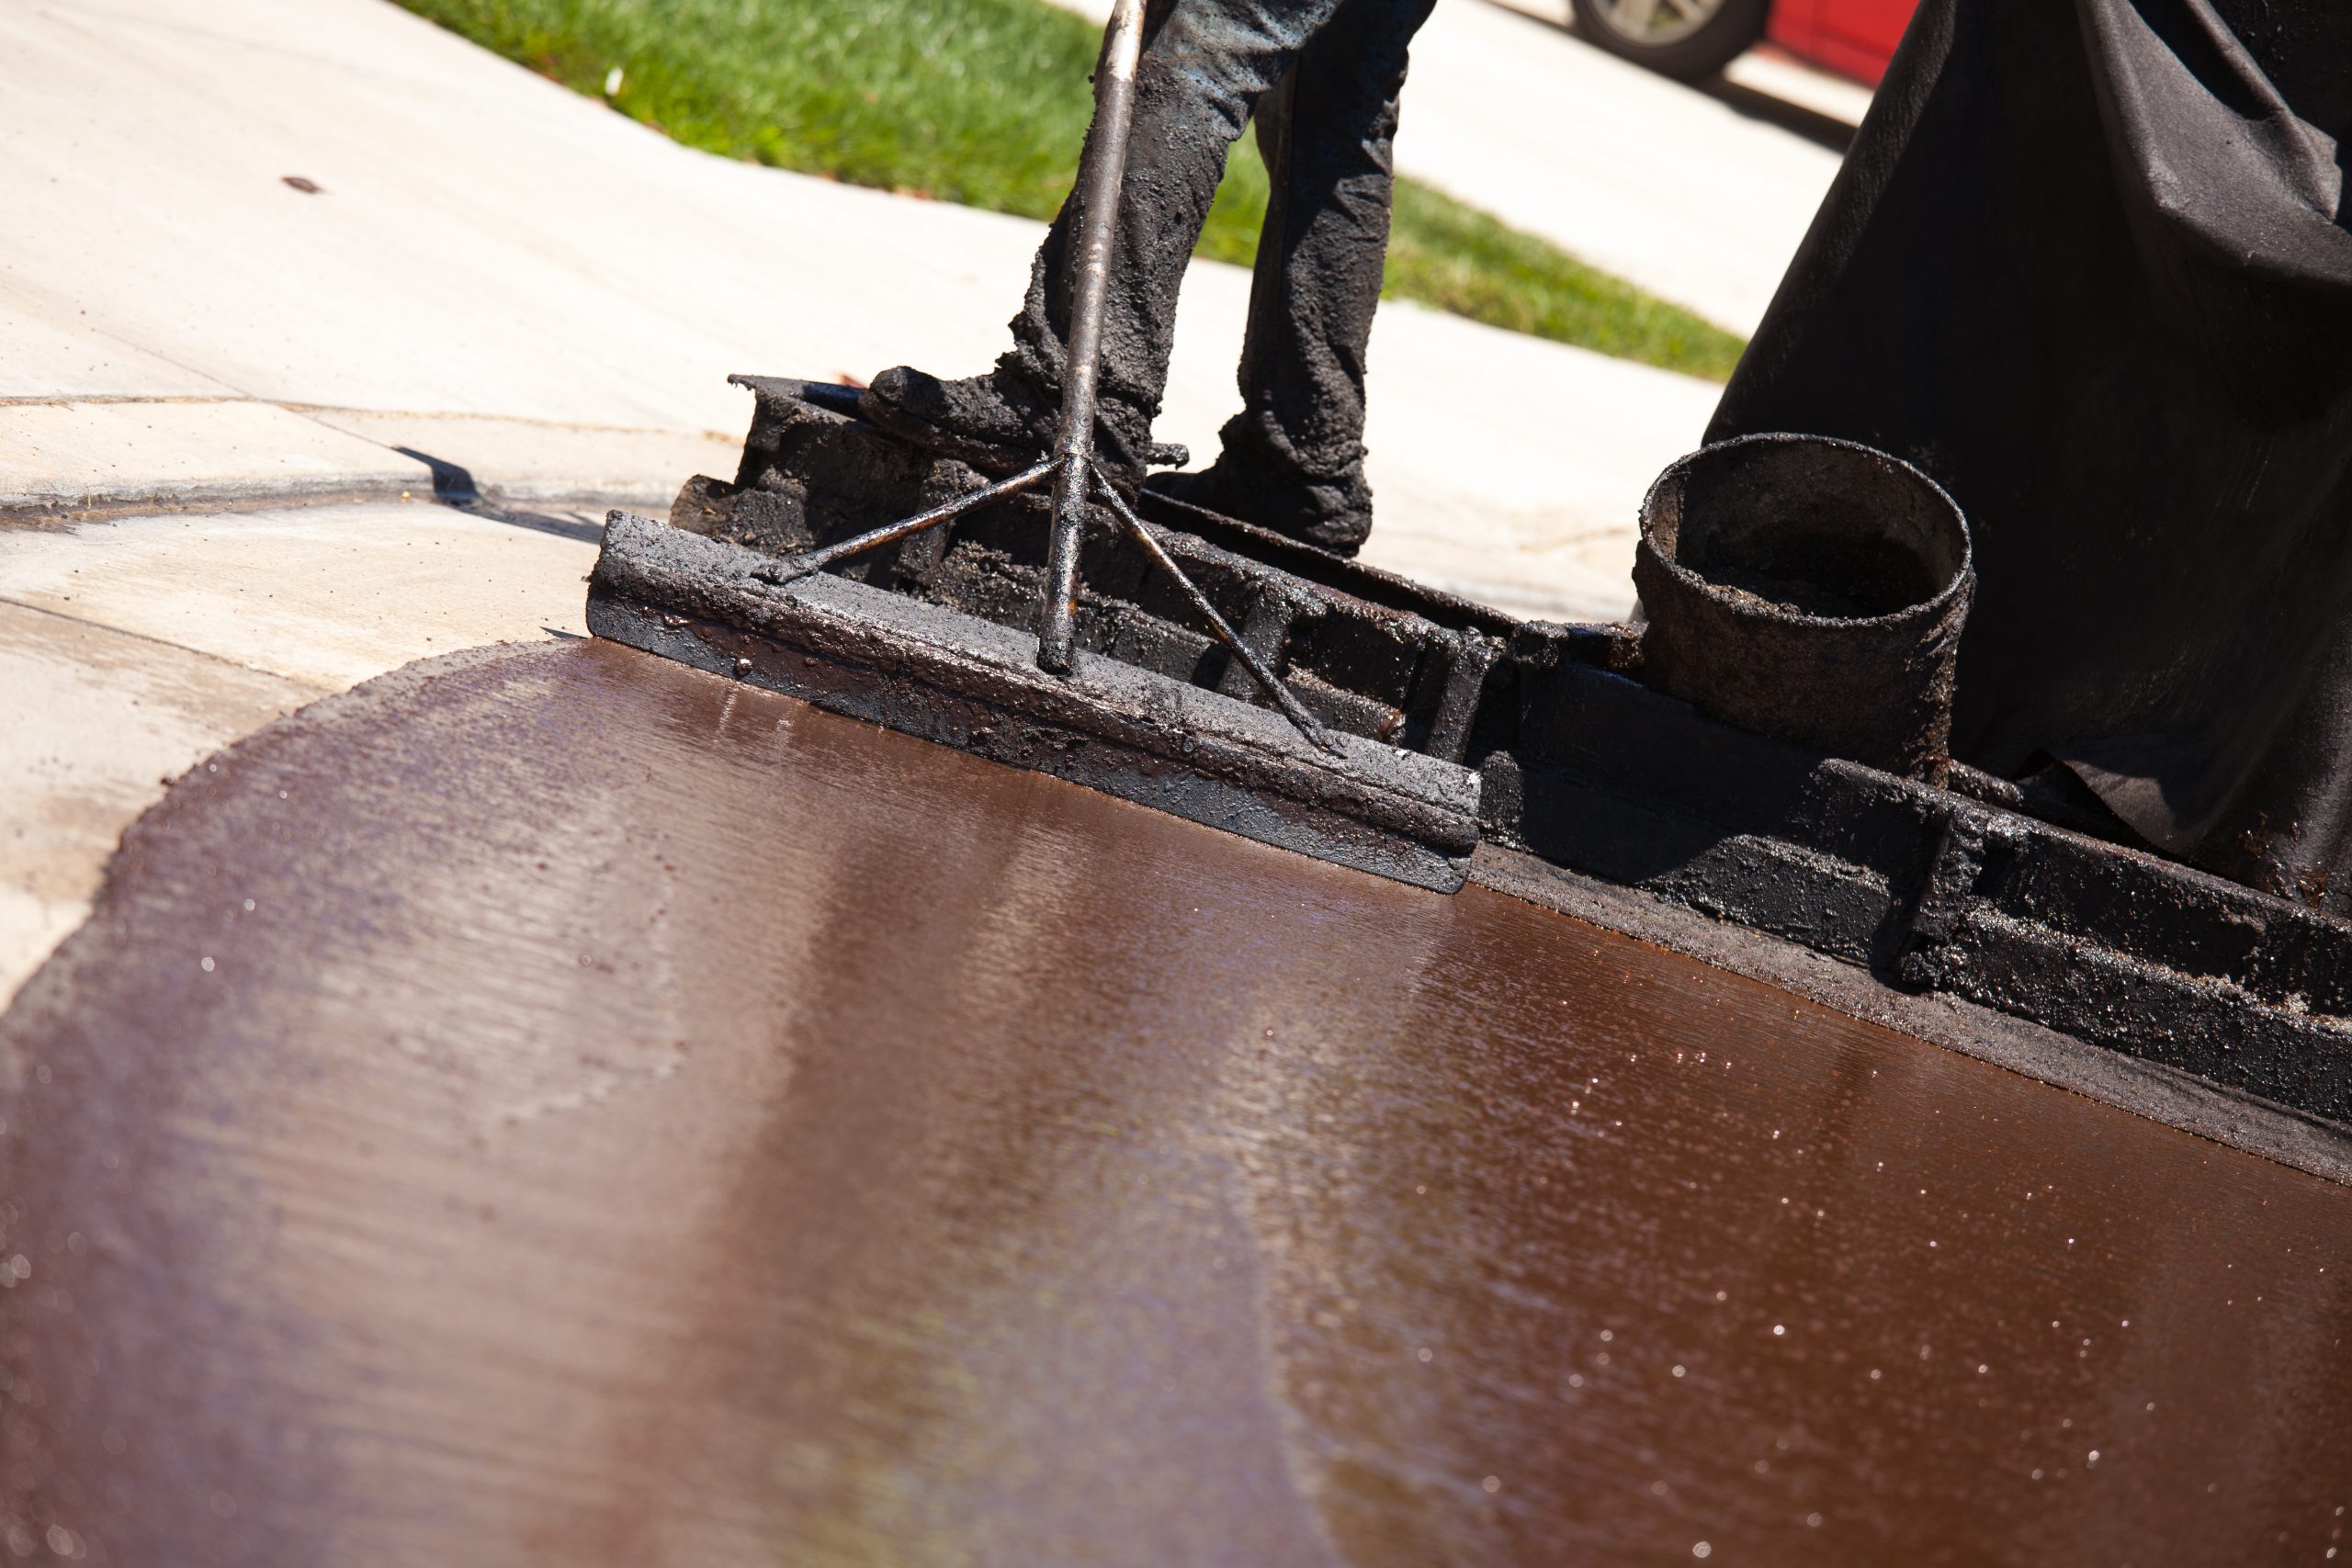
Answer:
[(972, 684)]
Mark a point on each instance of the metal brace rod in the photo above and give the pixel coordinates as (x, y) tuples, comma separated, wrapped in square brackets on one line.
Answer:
[(1267, 681), (792, 569), (1100, 184)]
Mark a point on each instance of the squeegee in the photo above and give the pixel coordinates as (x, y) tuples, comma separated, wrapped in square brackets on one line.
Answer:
[(1226, 742)]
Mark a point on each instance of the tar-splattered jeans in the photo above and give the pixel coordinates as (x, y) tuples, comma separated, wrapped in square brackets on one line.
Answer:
[(1322, 78)]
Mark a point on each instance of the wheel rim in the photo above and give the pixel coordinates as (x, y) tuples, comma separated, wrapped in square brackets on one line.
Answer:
[(1655, 22)]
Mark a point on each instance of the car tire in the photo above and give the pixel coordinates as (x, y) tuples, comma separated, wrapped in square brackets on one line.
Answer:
[(1683, 39)]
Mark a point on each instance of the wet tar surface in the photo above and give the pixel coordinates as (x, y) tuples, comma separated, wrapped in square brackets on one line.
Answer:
[(554, 1105)]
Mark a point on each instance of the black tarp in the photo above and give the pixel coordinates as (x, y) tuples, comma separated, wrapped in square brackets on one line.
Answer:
[(2090, 264)]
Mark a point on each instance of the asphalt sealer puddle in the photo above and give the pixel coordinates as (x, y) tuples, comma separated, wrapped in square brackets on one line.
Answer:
[(553, 1102)]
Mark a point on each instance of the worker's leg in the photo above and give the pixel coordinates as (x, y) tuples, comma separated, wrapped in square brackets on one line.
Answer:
[(1205, 64), (1293, 459)]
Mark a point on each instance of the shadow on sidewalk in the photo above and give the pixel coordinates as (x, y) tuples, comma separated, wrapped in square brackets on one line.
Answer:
[(454, 486)]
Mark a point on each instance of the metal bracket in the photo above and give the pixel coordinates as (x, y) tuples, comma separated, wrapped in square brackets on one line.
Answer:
[(1940, 913)]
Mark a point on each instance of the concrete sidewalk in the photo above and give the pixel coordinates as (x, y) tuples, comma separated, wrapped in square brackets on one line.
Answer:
[(504, 287), (132, 648), (503, 276), (1688, 194)]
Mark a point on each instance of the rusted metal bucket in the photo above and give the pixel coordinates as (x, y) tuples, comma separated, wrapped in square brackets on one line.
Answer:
[(1810, 589)]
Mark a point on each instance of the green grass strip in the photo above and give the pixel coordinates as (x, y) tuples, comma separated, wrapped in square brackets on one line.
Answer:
[(985, 103)]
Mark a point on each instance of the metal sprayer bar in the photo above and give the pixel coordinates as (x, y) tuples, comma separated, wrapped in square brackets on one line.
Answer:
[(1100, 184), (793, 567)]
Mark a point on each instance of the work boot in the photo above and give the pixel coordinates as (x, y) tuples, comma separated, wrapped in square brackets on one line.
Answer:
[(1332, 515), (1001, 423), (997, 423)]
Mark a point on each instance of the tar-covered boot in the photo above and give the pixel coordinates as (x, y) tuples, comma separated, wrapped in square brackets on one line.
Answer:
[(1002, 421), (999, 422), (1332, 511), (1292, 460)]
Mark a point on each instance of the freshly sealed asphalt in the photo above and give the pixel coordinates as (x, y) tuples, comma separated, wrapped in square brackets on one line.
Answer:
[(551, 1104)]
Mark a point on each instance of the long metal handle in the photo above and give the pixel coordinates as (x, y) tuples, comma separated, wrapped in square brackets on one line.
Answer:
[(1100, 185)]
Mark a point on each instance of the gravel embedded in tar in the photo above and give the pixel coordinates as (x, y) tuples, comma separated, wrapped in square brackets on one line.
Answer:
[(637, 1118)]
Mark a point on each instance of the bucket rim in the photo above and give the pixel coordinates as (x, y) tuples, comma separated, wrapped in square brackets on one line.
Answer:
[(1931, 608)]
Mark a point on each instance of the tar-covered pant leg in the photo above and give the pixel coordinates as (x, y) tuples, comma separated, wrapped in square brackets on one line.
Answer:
[(1206, 66), (1326, 133)]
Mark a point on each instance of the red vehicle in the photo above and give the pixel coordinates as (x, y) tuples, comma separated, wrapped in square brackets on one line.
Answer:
[(1692, 38)]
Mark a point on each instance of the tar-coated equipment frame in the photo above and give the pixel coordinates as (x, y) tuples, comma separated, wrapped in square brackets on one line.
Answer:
[(1078, 478)]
